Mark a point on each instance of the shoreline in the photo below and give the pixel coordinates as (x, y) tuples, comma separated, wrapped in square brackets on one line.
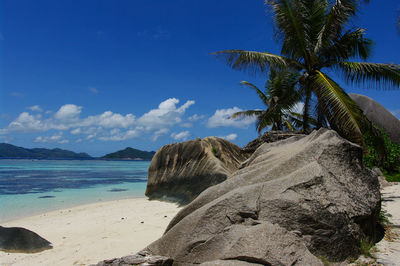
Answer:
[(89, 233), (65, 206)]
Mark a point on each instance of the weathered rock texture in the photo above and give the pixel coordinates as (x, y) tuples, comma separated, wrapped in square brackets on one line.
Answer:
[(290, 202), (269, 137), (18, 239), (379, 115), (181, 171)]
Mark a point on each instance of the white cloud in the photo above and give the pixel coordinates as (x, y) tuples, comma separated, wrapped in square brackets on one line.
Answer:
[(76, 131), (55, 138), (26, 122), (93, 90), (166, 115), (117, 135), (35, 108), (180, 136), (68, 112), (230, 137), (107, 126), (109, 119), (195, 118), (159, 133), (221, 118)]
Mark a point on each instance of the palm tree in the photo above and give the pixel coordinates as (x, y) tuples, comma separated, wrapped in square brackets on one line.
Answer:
[(317, 38), (280, 97)]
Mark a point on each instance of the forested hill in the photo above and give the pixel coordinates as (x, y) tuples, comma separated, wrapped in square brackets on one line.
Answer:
[(130, 153), (11, 151)]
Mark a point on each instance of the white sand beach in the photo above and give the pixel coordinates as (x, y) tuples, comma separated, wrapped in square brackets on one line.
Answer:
[(90, 233), (388, 250)]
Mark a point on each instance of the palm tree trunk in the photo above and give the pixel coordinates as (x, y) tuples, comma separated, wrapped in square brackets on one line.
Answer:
[(306, 110)]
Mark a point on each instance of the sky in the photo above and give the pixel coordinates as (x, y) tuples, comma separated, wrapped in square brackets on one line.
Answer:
[(99, 76)]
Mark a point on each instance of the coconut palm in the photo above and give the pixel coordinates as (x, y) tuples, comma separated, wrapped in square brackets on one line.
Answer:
[(318, 39), (280, 97)]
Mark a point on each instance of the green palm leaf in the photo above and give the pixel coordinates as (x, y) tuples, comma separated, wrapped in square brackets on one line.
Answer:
[(248, 113), (352, 44), (262, 96), (387, 75), (343, 114), (255, 61)]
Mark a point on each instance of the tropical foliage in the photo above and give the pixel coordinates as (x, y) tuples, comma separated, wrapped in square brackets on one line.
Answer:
[(318, 39), (390, 161), (280, 97)]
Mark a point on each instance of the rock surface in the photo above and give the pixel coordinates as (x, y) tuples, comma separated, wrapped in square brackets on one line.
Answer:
[(379, 115), (138, 259), (269, 137), (181, 171), (18, 239), (290, 202)]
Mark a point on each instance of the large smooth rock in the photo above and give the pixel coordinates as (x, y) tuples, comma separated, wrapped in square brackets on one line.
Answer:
[(379, 115), (181, 171), (18, 239), (291, 201)]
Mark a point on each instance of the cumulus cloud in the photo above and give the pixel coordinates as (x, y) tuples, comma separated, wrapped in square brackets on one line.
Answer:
[(107, 126), (166, 115), (230, 137), (26, 122), (184, 135), (109, 119), (159, 133), (35, 108), (191, 119), (117, 135), (195, 118), (76, 131), (58, 138), (68, 112), (221, 118), (93, 90)]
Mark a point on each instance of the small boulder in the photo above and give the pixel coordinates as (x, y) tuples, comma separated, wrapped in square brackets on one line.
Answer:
[(21, 240), (181, 171)]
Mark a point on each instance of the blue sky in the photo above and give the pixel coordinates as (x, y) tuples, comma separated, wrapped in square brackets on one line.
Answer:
[(98, 76)]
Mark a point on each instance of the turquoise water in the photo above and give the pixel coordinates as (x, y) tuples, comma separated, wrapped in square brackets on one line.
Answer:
[(29, 187)]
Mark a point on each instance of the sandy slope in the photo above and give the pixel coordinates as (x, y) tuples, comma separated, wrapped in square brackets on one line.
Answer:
[(87, 234), (389, 248)]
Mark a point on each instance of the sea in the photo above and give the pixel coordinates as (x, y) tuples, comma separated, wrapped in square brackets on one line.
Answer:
[(30, 187)]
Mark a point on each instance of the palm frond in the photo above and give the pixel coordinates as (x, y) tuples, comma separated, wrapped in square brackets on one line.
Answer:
[(343, 114), (382, 76), (249, 113), (351, 44), (255, 61), (289, 27), (338, 16), (262, 96)]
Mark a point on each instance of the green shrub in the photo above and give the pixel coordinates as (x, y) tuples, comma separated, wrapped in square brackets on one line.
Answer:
[(385, 155), (367, 247)]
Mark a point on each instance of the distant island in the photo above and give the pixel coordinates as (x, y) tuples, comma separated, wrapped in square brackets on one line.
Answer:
[(130, 154), (11, 151)]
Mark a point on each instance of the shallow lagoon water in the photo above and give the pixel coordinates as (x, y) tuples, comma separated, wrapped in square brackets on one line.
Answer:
[(29, 187)]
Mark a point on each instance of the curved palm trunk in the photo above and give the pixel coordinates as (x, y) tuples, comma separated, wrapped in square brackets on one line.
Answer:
[(306, 111)]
